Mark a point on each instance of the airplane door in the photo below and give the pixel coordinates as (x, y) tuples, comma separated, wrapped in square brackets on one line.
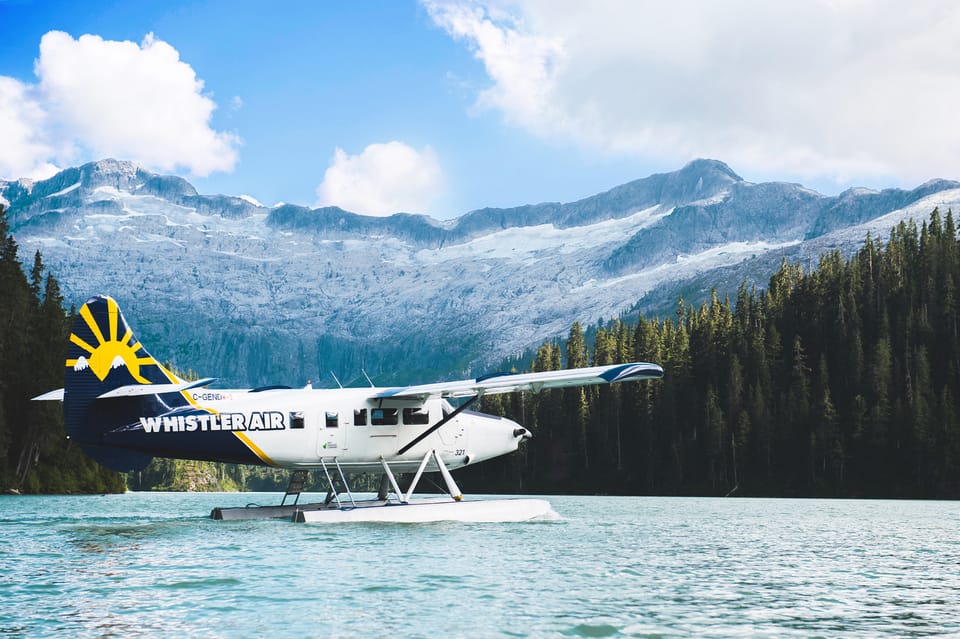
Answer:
[(453, 433), (332, 441)]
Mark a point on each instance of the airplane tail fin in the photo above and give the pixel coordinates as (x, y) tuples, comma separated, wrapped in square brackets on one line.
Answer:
[(104, 358)]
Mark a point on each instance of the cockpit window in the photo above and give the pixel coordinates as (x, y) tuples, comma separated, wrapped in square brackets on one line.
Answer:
[(333, 420), (360, 417), (416, 415)]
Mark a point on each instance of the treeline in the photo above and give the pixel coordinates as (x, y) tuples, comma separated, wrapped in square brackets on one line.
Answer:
[(838, 381), (181, 475), (202, 476), (35, 455)]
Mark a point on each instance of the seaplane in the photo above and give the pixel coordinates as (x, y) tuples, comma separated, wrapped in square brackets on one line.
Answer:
[(123, 408)]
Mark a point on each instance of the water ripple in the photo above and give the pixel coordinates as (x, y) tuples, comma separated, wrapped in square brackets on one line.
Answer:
[(152, 565)]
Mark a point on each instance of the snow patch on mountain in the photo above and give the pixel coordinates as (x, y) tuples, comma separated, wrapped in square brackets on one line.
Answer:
[(531, 243), (72, 187), (918, 211), (850, 238), (251, 200), (687, 266)]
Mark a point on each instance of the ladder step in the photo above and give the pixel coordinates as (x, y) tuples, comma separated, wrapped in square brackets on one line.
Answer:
[(297, 481), (295, 487)]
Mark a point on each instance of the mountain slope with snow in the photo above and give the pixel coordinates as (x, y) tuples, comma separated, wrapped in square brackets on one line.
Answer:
[(227, 287)]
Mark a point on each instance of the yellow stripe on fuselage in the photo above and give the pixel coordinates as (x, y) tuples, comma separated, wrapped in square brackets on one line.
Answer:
[(256, 449)]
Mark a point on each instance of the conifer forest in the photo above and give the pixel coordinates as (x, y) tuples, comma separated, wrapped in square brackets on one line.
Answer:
[(35, 455), (836, 381)]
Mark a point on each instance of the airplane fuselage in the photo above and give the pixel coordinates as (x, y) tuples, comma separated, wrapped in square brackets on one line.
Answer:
[(305, 428)]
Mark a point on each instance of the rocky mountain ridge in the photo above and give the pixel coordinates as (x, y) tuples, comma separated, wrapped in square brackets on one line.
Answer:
[(253, 294)]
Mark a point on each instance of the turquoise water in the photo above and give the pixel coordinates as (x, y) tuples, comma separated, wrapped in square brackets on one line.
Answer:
[(153, 565)]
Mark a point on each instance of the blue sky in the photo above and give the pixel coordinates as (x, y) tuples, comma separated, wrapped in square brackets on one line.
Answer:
[(444, 107)]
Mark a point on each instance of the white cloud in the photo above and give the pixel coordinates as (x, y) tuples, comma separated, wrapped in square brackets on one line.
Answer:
[(839, 89), (97, 98), (24, 152), (133, 101), (383, 179)]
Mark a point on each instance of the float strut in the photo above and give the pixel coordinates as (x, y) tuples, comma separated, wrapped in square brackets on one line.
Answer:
[(416, 478), (448, 478), (388, 474)]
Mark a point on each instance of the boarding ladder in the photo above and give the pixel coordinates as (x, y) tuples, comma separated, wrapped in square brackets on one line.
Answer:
[(343, 480), (295, 487)]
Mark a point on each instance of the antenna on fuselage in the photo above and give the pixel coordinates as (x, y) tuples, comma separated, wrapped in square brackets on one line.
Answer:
[(372, 385), (334, 375)]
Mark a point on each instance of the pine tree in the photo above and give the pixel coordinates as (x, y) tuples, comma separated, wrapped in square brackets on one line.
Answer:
[(575, 399), (15, 353), (713, 420), (826, 471), (36, 276)]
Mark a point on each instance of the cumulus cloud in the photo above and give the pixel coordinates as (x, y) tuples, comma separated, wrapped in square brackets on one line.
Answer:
[(98, 98), (133, 101), (383, 179), (25, 152), (844, 89)]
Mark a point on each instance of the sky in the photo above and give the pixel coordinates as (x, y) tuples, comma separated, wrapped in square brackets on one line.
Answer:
[(441, 107)]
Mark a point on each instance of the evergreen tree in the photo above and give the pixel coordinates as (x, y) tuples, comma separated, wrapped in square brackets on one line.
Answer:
[(575, 399), (35, 455)]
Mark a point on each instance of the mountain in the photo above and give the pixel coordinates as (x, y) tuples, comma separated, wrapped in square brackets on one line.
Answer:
[(254, 295)]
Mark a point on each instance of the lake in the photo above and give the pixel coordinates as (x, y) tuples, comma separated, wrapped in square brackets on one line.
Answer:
[(154, 565)]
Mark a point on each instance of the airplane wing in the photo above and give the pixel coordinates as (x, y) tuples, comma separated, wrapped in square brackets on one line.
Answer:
[(132, 390), (52, 396), (154, 389), (534, 382)]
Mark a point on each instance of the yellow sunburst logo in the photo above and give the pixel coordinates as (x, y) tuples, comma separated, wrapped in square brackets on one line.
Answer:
[(110, 352)]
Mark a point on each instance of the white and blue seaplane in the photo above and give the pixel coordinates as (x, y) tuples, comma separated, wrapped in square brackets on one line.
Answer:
[(124, 408)]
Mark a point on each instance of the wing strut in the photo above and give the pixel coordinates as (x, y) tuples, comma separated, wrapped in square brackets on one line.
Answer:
[(421, 436)]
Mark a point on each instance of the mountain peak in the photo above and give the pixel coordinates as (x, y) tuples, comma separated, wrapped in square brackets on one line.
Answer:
[(119, 174), (697, 181), (705, 166), (111, 165)]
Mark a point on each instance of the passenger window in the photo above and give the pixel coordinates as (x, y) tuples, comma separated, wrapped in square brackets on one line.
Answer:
[(296, 420), (360, 417), (384, 417), (333, 420), (416, 416)]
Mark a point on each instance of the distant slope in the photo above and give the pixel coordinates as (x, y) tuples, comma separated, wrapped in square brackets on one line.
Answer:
[(255, 295)]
